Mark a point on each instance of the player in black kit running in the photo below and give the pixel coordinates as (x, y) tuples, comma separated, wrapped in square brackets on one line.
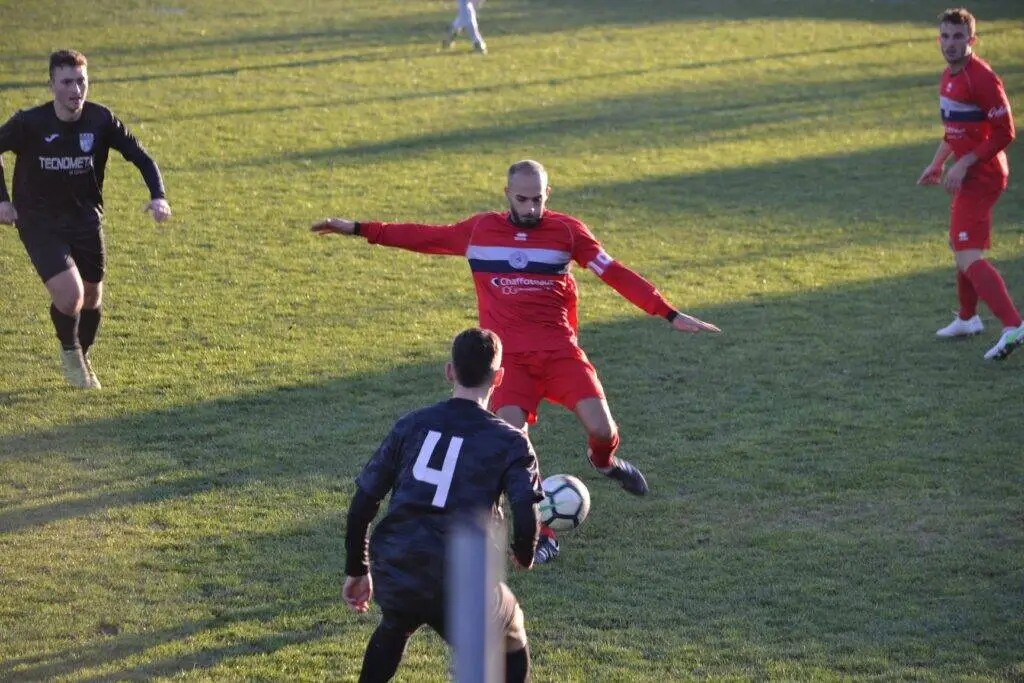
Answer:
[(62, 148), (447, 460)]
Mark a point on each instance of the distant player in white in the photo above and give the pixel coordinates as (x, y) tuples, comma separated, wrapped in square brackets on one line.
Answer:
[(465, 21)]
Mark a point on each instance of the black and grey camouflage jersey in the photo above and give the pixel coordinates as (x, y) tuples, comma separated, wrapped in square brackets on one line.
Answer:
[(60, 165), (448, 459)]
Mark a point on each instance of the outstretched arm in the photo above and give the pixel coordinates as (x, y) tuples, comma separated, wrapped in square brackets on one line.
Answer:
[(445, 240), (642, 294)]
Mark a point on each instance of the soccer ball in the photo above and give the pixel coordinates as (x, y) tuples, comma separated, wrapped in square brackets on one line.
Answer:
[(566, 502)]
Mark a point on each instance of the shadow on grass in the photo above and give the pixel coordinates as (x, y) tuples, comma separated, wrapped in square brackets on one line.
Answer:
[(840, 390)]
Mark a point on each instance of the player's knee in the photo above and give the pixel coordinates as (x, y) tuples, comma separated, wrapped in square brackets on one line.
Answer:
[(92, 296), (68, 303), (515, 634), (603, 431)]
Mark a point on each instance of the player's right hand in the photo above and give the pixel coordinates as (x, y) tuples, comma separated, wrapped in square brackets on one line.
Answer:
[(358, 592), (931, 176), (334, 226), (8, 214)]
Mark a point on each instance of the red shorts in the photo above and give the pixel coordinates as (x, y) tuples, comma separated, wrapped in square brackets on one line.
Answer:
[(970, 214), (564, 376)]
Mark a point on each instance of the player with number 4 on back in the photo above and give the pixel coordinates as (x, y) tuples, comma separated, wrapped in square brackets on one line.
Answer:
[(448, 460), (520, 260), (978, 128)]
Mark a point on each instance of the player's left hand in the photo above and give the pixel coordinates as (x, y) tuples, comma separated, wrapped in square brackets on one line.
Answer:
[(955, 176), (160, 209), (687, 323), (357, 592)]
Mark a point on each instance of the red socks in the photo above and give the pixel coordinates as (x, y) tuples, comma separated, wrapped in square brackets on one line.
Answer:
[(989, 285), (601, 451), (967, 296)]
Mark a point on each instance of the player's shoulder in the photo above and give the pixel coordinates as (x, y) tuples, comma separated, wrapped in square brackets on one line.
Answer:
[(979, 68), (40, 112), (564, 220), (96, 112)]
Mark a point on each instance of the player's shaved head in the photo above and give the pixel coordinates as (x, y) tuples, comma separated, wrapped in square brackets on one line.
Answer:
[(70, 58), (959, 17), (476, 356), (528, 166), (527, 192)]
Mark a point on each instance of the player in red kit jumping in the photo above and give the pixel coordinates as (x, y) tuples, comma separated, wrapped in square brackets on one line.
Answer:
[(978, 127), (520, 260)]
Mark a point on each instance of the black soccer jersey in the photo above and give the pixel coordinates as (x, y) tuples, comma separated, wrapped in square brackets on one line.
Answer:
[(450, 458), (60, 165)]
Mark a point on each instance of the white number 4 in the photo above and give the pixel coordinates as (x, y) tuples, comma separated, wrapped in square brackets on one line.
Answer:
[(441, 478)]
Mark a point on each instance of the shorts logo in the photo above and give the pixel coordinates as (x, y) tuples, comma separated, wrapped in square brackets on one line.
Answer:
[(85, 141), (962, 236), (518, 260)]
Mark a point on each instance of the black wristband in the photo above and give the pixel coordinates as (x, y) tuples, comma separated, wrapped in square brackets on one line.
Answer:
[(355, 227), (672, 315)]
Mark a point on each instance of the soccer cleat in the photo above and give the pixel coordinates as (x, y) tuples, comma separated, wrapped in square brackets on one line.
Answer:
[(450, 38), (547, 550), (480, 48), (961, 328), (73, 366), (629, 477), (94, 381), (1013, 338)]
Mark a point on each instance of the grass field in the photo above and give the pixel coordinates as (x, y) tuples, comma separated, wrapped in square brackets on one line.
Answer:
[(835, 494)]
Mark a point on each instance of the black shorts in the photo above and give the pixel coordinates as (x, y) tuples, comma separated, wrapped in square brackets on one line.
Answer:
[(408, 621), (62, 245)]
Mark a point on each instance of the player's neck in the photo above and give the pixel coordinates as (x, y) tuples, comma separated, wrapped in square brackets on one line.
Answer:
[(478, 396), (66, 115), (958, 66)]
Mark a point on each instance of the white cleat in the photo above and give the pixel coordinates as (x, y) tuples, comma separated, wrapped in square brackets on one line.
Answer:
[(72, 364), (94, 381), (1012, 339), (961, 328)]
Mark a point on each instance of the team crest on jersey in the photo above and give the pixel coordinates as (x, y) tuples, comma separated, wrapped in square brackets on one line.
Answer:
[(518, 260), (85, 141)]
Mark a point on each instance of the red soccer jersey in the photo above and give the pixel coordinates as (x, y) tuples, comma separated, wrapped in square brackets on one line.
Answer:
[(977, 118), (525, 291)]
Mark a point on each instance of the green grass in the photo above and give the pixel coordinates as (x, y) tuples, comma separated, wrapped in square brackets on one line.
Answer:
[(835, 495)]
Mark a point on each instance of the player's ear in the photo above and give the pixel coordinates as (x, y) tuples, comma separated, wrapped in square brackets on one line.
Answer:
[(499, 375), (449, 372), (972, 40), (547, 191)]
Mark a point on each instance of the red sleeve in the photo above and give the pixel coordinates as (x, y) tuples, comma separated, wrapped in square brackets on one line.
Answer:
[(633, 287), (447, 240), (993, 101)]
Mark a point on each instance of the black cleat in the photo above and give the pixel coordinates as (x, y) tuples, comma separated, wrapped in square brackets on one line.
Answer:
[(629, 477), (547, 550)]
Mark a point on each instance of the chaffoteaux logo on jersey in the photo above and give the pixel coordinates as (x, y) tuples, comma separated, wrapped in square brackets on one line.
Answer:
[(515, 285), (85, 141)]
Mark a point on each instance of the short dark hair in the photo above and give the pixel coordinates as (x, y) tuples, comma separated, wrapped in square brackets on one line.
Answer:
[(476, 356), (66, 58), (959, 16)]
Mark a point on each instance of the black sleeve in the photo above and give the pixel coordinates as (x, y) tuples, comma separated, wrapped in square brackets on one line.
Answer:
[(10, 136), (130, 148), (361, 512), (522, 486), (526, 529)]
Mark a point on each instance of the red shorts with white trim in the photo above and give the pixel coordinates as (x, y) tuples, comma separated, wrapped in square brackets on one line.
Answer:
[(564, 376), (970, 214)]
